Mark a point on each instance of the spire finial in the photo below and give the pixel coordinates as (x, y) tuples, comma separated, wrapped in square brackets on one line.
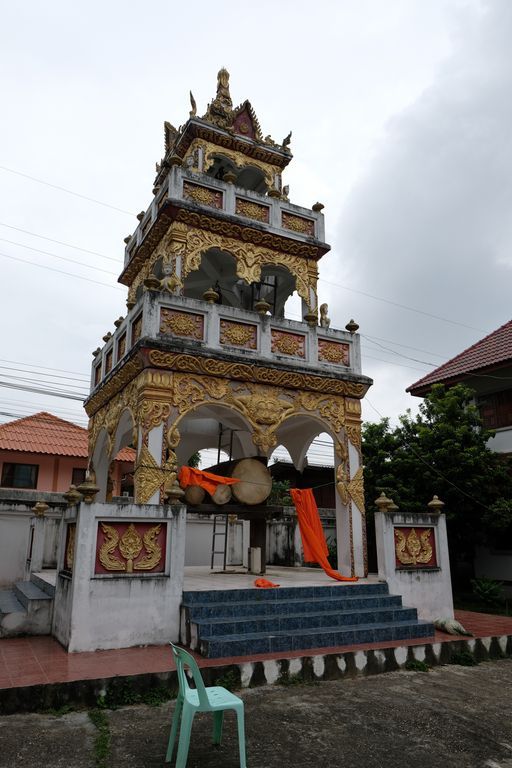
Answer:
[(223, 93)]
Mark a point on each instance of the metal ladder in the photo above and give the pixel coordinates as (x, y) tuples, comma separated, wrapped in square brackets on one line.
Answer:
[(220, 520)]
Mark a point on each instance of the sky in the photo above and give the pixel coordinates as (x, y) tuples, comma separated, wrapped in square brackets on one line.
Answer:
[(402, 127)]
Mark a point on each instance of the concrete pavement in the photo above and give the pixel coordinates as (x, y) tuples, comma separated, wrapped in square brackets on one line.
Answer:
[(449, 716)]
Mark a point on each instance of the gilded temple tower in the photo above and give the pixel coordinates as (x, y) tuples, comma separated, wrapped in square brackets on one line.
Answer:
[(205, 341)]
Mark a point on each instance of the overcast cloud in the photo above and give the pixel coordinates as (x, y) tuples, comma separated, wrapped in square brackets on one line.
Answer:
[(401, 118)]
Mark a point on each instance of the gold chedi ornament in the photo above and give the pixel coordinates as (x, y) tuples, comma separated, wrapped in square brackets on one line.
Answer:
[(262, 307), (88, 487), (352, 327), (72, 496), (211, 296), (436, 505), (40, 508)]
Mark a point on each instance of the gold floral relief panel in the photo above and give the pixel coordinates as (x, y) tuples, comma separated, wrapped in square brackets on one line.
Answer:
[(415, 547), (136, 329), (298, 224), (252, 210), (333, 352), (238, 334), (185, 324), (123, 547), (284, 343), (202, 195)]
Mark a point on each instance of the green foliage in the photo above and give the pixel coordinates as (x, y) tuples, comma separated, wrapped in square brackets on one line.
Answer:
[(286, 679), (488, 591), (124, 694), (195, 460), (280, 494), (442, 450), (102, 742), (416, 666), (463, 659), (229, 680)]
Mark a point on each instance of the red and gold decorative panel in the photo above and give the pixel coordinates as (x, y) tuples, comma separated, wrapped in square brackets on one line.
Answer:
[(108, 361), (97, 375), (130, 547), (415, 547), (202, 195), (298, 224), (288, 343), (238, 334), (243, 124), (69, 552), (121, 346), (252, 210), (185, 324), (137, 328), (333, 352)]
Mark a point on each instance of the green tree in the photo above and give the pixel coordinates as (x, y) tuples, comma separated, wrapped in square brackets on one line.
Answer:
[(442, 450)]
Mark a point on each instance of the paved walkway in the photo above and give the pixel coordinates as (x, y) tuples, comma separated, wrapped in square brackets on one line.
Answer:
[(28, 661), (450, 716)]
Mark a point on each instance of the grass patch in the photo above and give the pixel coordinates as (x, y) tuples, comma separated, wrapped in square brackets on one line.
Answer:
[(416, 666), (125, 694), (286, 679), (230, 680), (102, 742), (463, 659)]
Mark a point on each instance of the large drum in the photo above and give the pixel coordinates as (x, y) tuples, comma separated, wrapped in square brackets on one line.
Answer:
[(255, 481)]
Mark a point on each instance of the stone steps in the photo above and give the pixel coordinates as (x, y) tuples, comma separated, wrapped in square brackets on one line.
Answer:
[(26, 609), (242, 622)]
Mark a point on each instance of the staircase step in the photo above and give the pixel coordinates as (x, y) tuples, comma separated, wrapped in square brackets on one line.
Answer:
[(26, 592), (297, 622), (283, 593), (260, 642), (9, 603), (258, 609), (44, 582)]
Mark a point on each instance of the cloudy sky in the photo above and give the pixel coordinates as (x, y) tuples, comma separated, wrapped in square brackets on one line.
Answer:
[(402, 126)]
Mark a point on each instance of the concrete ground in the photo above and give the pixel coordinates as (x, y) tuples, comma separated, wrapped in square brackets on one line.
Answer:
[(449, 716)]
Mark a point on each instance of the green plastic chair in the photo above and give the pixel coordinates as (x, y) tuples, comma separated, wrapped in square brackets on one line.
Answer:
[(201, 699)]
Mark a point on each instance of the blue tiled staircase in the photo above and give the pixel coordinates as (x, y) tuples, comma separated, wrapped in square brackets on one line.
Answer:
[(240, 622)]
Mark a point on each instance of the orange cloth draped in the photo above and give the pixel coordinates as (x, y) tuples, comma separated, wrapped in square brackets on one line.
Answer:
[(312, 534), (207, 480), (264, 584)]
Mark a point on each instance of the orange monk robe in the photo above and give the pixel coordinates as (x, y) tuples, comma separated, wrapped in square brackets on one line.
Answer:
[(207, 480)]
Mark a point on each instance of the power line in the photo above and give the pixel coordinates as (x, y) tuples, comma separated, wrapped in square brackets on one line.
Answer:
[(59, 242), (41, 391), (406, 346), (44, 367), (40, 373), (60, 271), (401, 306), (399, 354), (62, 258), (390, 362), (68, 191)]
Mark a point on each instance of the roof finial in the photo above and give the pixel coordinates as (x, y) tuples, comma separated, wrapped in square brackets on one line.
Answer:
[(223, 94), (193, 104)]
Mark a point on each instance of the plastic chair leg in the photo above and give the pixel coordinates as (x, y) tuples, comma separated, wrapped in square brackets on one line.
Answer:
[(174, 730), (218, 719), (241, 735), (184, 742)]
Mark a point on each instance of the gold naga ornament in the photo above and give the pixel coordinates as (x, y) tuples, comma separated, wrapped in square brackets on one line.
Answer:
[(413, 549), (130, 545)]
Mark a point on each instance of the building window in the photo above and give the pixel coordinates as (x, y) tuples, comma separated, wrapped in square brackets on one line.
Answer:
[(496, 409), (19, 475), (78, 475)]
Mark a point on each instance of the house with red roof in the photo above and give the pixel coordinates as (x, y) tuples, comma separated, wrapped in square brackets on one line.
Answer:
[(45, 453), (486, 367)]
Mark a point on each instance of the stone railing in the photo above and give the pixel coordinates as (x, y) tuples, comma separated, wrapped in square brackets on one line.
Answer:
[(230, 331), (276, 215)]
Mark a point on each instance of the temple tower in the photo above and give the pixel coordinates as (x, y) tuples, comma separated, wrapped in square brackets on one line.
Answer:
[(205, 345)]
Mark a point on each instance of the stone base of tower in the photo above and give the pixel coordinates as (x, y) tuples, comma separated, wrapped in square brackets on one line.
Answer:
[(120, 576)]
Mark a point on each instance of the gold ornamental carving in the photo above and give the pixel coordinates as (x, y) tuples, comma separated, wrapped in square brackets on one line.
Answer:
[(332, 409), (186, 324), (240, 161), (333, 352), (413, 549), (252, 210), (190, 391), (152, 413), (202, 195), (288, 343), (112, 387), (148, 476), (356, 489), (130, 545), (298, 224), (70, 547), (250, 258), (255, 373), (265, 410), (342, 484), (239, 334)]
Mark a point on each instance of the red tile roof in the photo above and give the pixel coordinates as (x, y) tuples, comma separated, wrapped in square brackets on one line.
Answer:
[(45, 433), (493, 351)]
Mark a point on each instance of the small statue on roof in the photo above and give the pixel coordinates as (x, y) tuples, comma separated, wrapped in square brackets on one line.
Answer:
[(325, 321)]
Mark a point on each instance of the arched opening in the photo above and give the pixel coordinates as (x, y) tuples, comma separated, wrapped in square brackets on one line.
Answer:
[(249, 177)]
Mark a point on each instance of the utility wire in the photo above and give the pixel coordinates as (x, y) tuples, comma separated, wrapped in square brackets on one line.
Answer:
[(399, 354), (60, 271), (44, 367), (59, 242), (68, 191), (41, 391), (62, 258)]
